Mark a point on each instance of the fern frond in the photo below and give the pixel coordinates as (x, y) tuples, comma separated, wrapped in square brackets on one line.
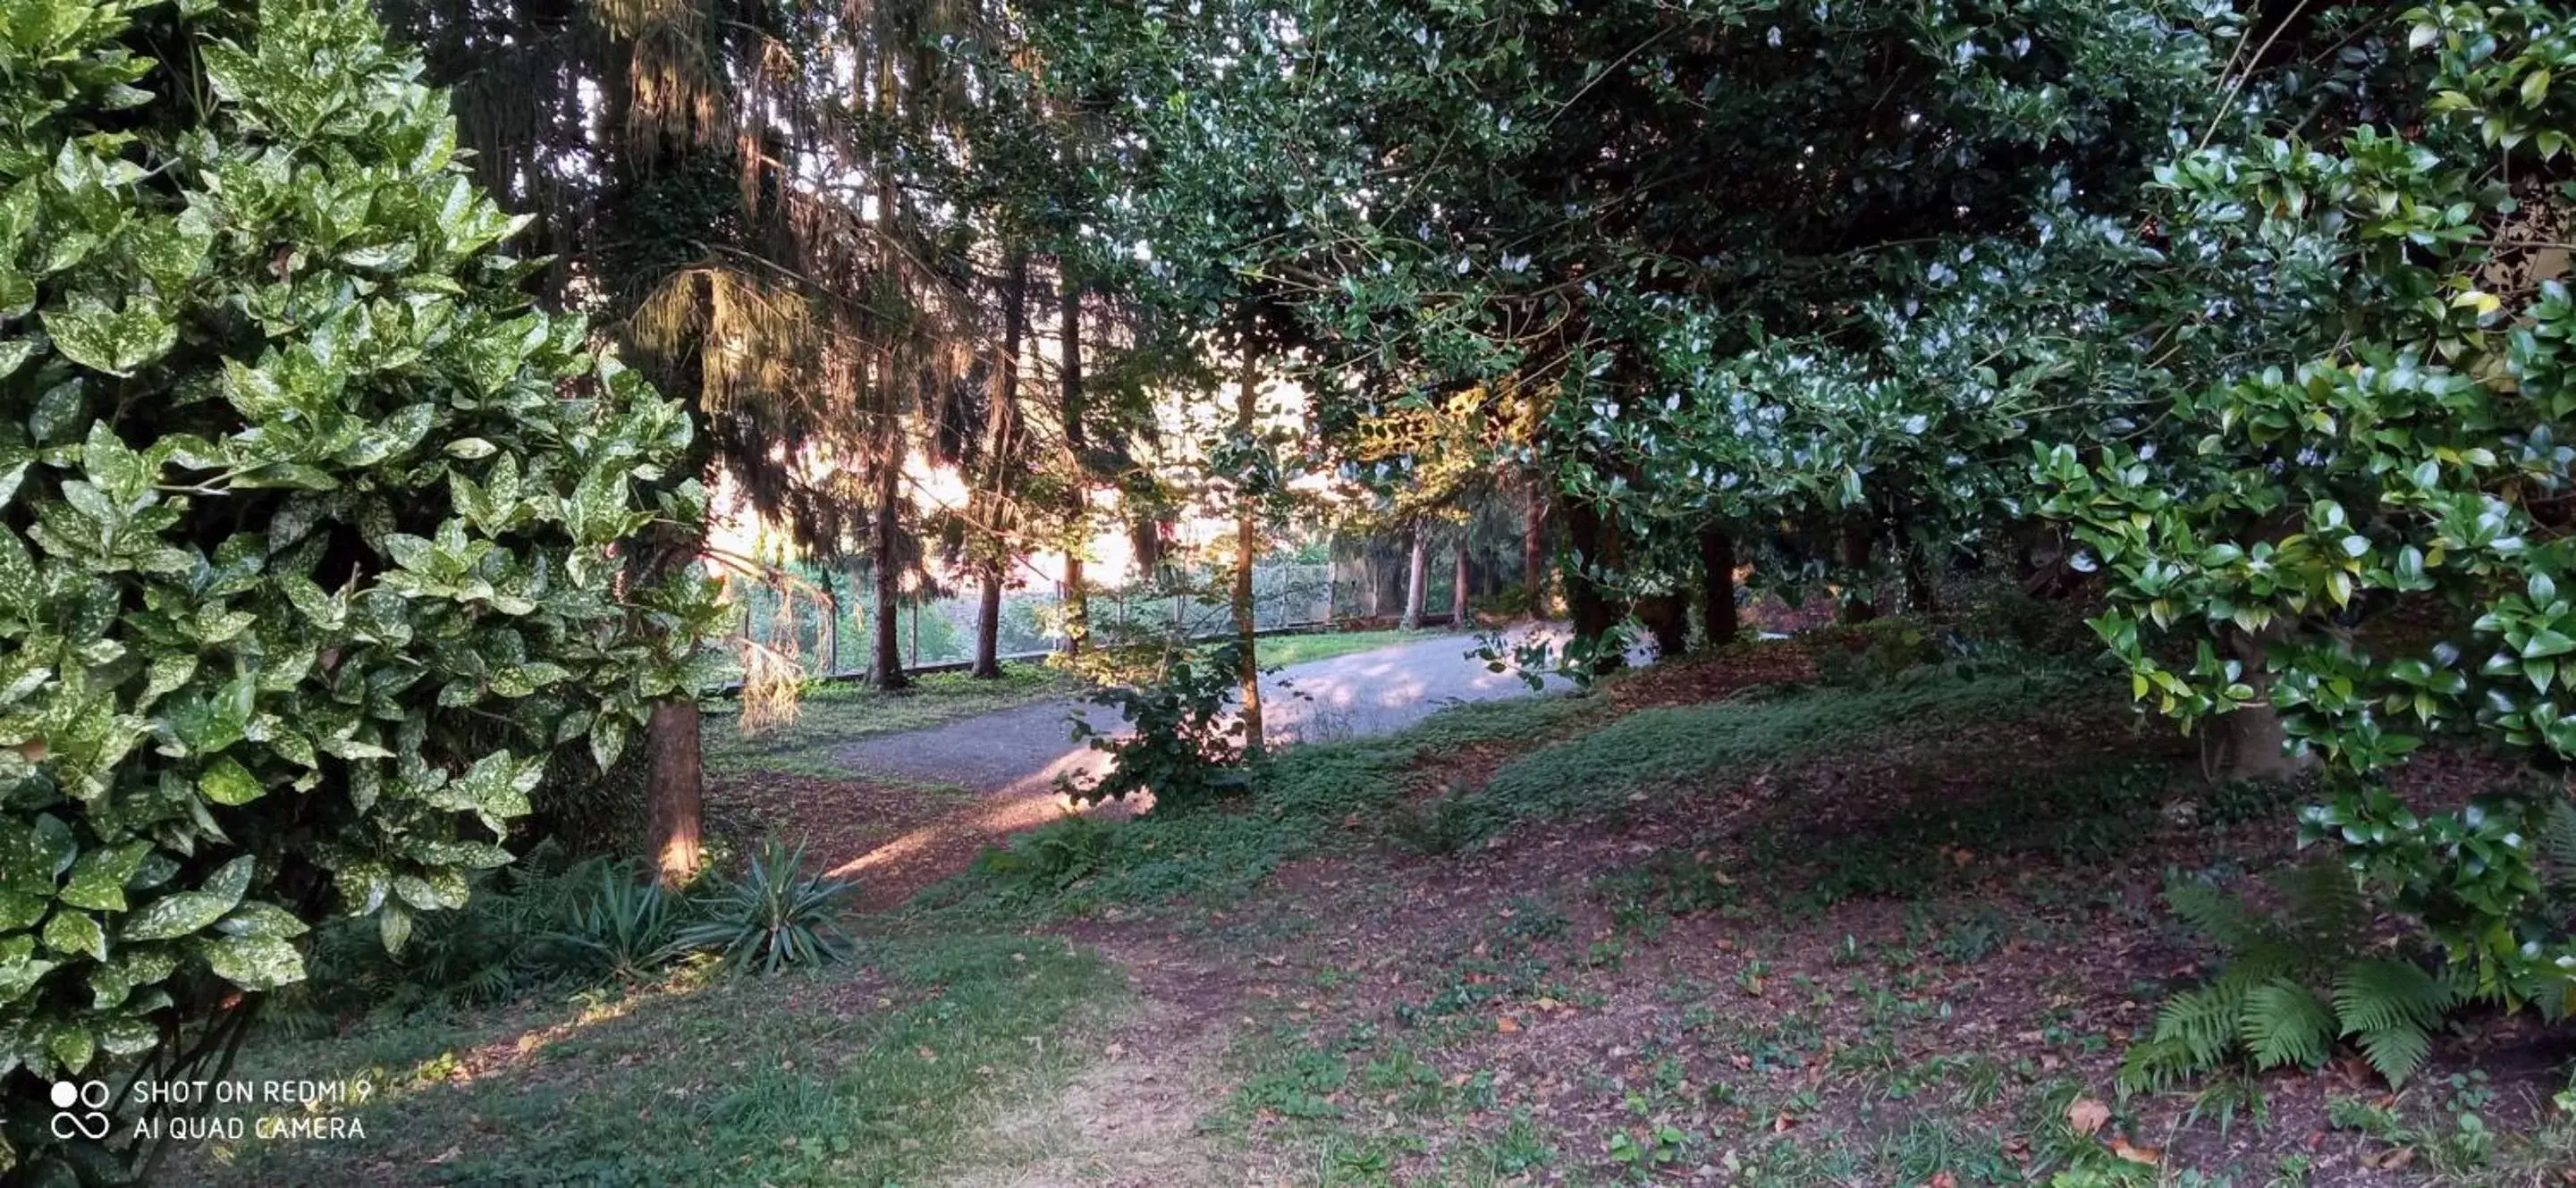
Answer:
[(2375, 996), (2547, 988), (2203, 1021), (2154, 1066), (2283, 1022), (2558, 844), (2269, 959), (2327, 912), (2223, 919), (2397, 1051)]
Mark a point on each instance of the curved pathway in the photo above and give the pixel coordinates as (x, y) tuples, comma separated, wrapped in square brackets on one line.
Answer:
[(1022, 751)]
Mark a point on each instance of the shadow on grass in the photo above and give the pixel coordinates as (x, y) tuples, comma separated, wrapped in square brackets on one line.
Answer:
[(864, 1072)]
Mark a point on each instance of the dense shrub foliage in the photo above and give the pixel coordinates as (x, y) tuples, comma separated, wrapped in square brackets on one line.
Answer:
[(308, 523), (2361, 526)]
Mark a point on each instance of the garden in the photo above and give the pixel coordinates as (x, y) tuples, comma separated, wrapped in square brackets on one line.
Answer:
[(1334, 592)]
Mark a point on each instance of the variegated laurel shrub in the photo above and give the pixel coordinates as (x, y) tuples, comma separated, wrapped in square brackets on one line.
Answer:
[(308, 521)]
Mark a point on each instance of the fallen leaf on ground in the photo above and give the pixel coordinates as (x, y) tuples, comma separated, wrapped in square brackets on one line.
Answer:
[(2391, 1160), (1507, 1025), (2087, 1115)]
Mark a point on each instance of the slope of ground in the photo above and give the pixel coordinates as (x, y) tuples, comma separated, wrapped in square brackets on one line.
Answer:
[(1772, 918), (1898, 933)]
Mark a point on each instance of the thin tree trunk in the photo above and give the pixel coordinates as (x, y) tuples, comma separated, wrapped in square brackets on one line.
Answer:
[(885, 666), (1077, 595), (672, 800), (1417, 574), (987, 664), (831, 626), (1587, 540), (1717, 582), (674, 779), (1247, 542), (1857, 608), (1458, 579), (1534, 549), (1001, 435), (1920, 594)]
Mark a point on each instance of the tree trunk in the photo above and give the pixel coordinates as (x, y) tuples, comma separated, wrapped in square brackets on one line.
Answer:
[(1667, 617), (1857, 607), (831, 625), (1534, 549), (1920, 594), (674, 779), (885, 664), (987, 665), (1458, 579), (2249, 743), (1417, 574), (1717, 586), (1001, 437), (1247, 543), (1587, 541), (1077, 595), (672, 799)]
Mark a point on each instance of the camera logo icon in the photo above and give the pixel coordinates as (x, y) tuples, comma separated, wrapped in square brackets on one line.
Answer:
[(80, 1109)]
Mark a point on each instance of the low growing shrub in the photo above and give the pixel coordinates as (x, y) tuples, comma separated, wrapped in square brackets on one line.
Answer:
[(626, 928), (773, 915), (1187, 747)]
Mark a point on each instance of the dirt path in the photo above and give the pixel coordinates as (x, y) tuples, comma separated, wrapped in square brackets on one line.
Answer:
[(1132, 1119)]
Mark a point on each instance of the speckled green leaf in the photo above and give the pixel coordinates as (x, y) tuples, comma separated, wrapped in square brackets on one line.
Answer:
[(255, 962), (125, 1035), (99, 877), (19, 910), (74, 933), (71, 1046), (182, 912), (226, 781), (256, 918)]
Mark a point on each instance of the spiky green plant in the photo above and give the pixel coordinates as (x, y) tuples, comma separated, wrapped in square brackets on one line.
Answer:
[(628, 926), (772, 915)]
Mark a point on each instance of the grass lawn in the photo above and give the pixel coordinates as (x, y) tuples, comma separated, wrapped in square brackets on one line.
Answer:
[(868, 1072), (831, 715)]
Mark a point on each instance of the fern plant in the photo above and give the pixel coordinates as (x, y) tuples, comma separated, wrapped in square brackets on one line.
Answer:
[(2297, 980)]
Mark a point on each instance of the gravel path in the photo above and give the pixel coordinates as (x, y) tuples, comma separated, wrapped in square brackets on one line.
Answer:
[(1020, 751)]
